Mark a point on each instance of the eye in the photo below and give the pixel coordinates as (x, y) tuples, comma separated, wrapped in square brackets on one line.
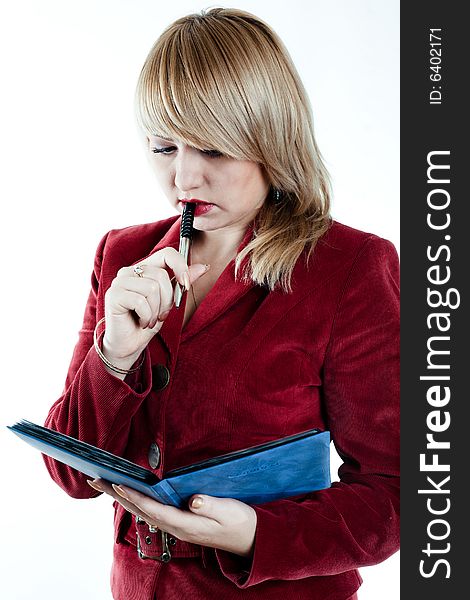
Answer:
[(163, 150), (212, 153)]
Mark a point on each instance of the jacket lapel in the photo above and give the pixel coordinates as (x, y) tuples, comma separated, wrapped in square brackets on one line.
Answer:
[(225, 292)]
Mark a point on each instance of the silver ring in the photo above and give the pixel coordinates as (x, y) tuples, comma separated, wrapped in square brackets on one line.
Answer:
[(138, 270), (153, 529)]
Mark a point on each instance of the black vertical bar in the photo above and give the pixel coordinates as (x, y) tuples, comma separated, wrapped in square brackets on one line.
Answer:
[(435, 275)]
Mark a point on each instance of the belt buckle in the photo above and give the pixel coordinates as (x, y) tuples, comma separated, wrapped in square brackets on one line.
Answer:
[(165, 556)]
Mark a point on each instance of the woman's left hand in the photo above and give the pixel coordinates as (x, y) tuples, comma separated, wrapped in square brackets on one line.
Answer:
[(222, 523)]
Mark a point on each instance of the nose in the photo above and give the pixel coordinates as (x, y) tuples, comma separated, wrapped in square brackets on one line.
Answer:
[(189, 170)]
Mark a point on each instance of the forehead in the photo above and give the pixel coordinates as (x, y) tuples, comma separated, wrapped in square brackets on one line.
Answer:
[(160, 137)]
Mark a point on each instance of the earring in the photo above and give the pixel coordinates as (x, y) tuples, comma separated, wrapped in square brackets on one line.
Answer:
[(277, 196)]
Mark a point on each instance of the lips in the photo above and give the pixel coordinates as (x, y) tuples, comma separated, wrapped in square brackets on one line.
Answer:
[(201, 208)]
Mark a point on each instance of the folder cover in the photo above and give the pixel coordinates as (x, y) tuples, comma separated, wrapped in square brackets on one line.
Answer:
[(290, 466)]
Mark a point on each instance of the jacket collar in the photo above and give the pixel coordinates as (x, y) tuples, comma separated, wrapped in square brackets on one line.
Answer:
[(226, 291)]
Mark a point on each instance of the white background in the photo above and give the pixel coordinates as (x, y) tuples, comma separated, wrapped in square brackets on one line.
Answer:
[(73, 168)]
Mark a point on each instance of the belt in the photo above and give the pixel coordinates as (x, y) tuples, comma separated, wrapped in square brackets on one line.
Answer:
[(156, 544)]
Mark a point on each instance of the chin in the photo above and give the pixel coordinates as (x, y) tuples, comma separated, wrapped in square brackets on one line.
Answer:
[(203, 224)]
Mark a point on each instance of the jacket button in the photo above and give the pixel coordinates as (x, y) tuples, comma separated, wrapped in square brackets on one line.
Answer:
[(160, 377), (154, 456)]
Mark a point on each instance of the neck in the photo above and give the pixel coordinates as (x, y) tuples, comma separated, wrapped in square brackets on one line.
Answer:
[(218, 245)]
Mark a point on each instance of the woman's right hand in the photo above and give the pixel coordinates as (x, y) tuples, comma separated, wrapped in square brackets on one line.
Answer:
[(136, 306)]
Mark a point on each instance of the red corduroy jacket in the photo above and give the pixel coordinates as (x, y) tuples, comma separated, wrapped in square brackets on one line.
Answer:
[(251, 366)]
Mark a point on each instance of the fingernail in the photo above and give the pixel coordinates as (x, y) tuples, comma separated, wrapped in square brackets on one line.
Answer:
[(120, 491), (197, 502), (94, 485), (187, 283), (163, 316)]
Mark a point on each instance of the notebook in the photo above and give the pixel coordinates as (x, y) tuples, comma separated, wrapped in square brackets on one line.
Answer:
[(289, 466)]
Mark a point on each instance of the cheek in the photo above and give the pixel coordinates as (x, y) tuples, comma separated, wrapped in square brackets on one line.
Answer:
[(258, 187), (163, 176), (250, 182)]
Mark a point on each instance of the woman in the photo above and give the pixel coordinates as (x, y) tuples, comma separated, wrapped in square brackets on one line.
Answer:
[(299, 329)]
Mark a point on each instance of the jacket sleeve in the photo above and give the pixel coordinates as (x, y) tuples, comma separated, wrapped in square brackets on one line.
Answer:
[(96, 407), (355, 522)]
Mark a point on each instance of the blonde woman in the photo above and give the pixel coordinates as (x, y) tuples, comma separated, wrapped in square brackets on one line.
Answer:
[(290, 322)]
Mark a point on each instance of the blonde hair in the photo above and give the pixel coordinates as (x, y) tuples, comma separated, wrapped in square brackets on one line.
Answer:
[(223, 79)]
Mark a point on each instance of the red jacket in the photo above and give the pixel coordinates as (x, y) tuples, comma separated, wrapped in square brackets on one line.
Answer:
[(251, 366)]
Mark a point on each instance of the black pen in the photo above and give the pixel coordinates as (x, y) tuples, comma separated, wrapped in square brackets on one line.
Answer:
[(186, 234)]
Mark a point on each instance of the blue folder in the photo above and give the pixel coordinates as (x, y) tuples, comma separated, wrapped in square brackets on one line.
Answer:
[(290, 466)]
